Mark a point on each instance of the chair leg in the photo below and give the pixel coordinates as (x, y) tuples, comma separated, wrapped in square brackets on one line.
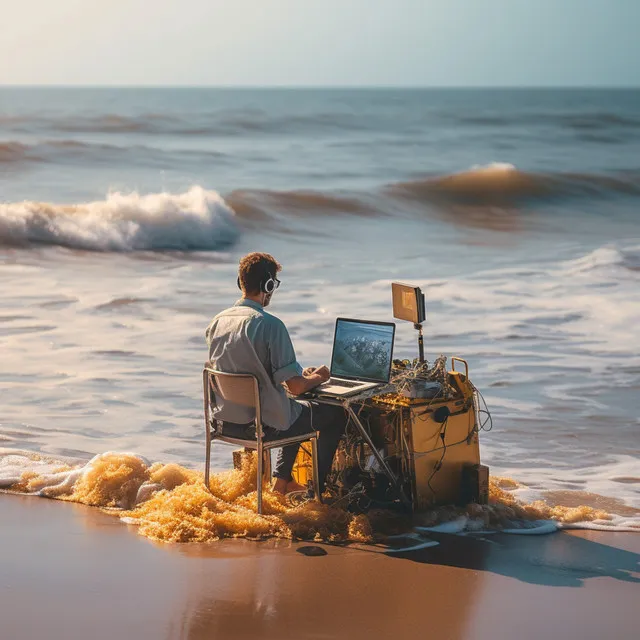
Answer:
[(207, 462), (266, 465), (317, 491), (260, 453)]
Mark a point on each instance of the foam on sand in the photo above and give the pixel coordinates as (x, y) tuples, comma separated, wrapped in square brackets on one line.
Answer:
[(194, 220), (169, 503)]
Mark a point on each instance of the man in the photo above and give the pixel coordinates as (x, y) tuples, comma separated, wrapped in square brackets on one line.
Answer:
[(247, 339)]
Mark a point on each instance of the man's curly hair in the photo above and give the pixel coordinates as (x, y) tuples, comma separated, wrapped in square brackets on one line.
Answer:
[(254, 269)]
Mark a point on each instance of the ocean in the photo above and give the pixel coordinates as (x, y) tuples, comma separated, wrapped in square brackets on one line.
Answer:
[(124, 212)]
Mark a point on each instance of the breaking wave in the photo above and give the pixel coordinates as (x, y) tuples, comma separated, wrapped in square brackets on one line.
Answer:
[(194, 220), (502, 183), (607, 257)]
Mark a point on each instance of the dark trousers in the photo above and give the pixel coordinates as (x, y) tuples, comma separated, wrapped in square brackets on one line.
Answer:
[(328, 420)]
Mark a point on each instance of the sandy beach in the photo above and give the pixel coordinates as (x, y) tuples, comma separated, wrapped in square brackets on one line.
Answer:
[(70, 571)]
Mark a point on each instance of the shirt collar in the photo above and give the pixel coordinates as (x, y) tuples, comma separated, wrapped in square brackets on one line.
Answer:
[(243, 302)]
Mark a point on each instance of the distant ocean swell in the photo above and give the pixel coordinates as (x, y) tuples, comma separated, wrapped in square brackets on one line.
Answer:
[(57, 151), (500, 183), (200, 220), (255, 121), (588, 121), (238, 122)]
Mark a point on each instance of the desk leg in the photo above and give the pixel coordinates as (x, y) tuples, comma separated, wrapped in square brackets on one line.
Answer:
[(376, 453)]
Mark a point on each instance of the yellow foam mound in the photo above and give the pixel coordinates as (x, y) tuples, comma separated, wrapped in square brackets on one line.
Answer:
[(190, 514), (172, 475), (28, 482), (510, 507), (111, 481), (502, 483), (177, 507)]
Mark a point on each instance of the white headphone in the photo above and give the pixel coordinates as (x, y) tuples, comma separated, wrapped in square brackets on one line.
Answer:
[(267, 286)]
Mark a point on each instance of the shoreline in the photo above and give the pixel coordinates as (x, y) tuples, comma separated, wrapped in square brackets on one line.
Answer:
[(69, 570)]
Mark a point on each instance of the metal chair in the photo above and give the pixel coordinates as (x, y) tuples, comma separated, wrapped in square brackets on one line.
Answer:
[(242, 389)]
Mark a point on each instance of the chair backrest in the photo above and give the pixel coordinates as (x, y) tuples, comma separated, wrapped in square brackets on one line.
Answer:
[(238, 388)]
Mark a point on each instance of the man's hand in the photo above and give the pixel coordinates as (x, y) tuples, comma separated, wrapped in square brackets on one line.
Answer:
[(323, 373), (311, 377)]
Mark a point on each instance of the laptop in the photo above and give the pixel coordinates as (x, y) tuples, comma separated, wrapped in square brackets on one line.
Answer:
[(361, 357)]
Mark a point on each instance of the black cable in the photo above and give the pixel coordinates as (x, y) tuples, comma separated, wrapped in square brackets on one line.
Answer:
[(485, 411), (304, 448), (419, 454), (438, 466)]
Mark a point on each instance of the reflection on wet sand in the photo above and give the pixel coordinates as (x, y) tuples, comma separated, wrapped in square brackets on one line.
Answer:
[(90, 576), (348, 593), (352, 593)]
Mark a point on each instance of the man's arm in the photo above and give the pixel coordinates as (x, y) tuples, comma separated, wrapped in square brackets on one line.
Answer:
[(285, 367), (309, 379)]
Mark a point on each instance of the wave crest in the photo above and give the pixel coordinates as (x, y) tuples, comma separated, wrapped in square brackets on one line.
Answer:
[(194, 220), (501, 183), (606, 257)]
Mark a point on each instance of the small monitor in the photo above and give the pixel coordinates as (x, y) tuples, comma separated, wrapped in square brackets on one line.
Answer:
[(408, 303)]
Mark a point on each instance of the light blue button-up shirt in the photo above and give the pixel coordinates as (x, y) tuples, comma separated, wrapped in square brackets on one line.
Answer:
[(247, 339)]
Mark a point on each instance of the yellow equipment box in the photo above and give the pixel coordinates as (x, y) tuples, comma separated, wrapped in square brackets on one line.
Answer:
[(438, 451), (434, 446)]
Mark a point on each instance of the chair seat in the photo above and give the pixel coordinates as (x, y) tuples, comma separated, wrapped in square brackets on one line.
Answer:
[(242, 388), (250, 443)]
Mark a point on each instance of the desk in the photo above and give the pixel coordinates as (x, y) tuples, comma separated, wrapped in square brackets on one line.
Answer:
[(424, 457), (361, 400)]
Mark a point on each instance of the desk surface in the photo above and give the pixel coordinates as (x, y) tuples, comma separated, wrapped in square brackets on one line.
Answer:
[(358, 397), (392, 400)]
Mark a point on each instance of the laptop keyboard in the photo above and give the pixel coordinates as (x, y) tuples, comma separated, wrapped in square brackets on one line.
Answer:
[(342, 383)]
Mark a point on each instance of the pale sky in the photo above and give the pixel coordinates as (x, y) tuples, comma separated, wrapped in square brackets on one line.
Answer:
[(321, 42)]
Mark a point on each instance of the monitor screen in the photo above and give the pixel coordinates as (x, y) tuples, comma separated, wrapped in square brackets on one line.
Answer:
[(363, 350)]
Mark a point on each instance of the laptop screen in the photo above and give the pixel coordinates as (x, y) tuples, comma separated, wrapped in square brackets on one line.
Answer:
[(363, 350)]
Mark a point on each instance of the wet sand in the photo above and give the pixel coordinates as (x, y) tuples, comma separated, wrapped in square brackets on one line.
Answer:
[(70, 571)]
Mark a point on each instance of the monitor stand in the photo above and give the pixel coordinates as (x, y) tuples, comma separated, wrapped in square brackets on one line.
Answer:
[(418, 327)]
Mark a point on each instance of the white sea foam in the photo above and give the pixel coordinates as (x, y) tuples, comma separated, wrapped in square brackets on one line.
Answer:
[(569, 297), (494, 167), (53, 478), (194, 220), (465, 525), (608, 256), (15, 462)]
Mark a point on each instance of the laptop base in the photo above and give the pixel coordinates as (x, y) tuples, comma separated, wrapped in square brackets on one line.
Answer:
[(335, 389)]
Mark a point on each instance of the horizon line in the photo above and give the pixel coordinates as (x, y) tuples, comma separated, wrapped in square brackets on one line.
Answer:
[(320, 87)]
